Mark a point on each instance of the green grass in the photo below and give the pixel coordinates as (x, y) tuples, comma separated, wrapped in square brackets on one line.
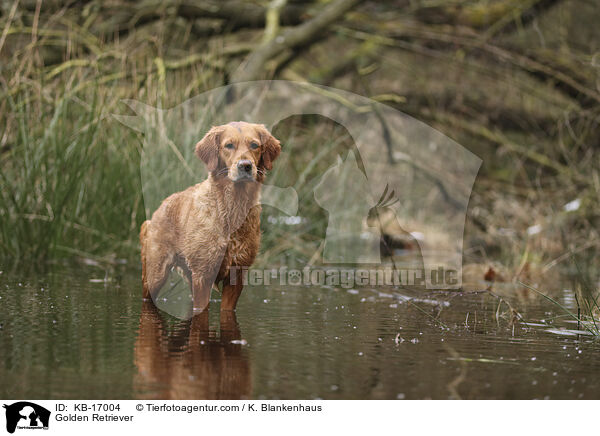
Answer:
[(585, 318), (69, 183)]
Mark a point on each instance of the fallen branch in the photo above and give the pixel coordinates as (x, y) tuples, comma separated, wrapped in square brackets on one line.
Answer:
[(293, 38), (587, 96)]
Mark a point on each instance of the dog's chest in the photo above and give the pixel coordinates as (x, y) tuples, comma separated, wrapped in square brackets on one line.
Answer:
[(243, 244)]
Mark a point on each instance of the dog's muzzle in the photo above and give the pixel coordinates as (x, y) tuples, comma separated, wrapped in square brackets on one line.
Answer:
[(244, 170)]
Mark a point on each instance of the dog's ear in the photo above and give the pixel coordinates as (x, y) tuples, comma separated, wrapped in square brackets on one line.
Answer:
[(271, 147), (207, 149)]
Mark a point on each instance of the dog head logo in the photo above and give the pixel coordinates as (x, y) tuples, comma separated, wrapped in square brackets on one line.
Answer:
[(348, 239), (400, 170), (26, 415)]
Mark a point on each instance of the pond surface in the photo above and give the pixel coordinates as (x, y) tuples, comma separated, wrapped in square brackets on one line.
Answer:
[(63, 336)]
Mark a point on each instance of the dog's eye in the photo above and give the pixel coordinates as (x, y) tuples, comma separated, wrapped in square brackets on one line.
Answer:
[(254, 146), (229, 146)]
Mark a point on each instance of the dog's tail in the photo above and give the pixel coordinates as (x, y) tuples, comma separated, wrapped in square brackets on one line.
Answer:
[(143, 235)]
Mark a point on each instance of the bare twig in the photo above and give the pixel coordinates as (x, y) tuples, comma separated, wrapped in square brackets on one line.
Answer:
[(11, 16), (293, 38)]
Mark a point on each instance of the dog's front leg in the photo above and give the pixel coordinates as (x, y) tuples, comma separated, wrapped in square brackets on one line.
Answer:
[(201, 292), (232, 288)]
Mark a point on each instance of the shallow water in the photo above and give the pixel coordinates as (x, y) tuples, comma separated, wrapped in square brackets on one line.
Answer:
[(64, 336)]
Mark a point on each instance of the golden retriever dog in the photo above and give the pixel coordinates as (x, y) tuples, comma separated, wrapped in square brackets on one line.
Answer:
[(214, 226)]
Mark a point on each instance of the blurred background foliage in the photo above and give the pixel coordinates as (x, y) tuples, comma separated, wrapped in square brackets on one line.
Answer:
[(517, 82)]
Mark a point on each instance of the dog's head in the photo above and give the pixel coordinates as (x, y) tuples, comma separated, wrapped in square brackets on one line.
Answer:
[(239, 151)]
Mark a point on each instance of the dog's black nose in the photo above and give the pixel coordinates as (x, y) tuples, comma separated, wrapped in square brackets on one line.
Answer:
[(245, 166)]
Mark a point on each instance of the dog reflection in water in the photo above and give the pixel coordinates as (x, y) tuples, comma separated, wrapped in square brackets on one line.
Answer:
[(188, 361)]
